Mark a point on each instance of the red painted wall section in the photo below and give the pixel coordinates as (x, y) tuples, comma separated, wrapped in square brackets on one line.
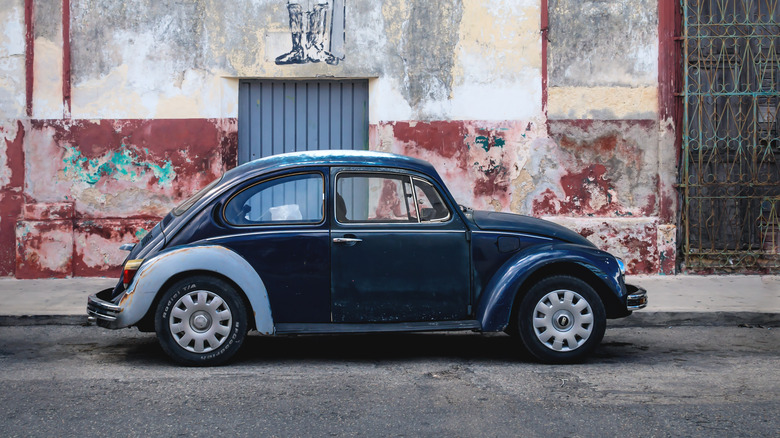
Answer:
[(479, 161), (96, 241), (125, 168), (608, 168), (578, 168), (44, 249), (79, 188), (12, 135), (597, 177)]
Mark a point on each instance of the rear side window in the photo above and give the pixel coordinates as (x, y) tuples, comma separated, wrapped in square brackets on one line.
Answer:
[(293, 199)]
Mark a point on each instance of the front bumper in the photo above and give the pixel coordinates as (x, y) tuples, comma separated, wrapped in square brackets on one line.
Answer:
[(636, 299)]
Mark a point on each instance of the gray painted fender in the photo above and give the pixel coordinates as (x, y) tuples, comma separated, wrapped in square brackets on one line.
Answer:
[(494, 306), (156, 271)]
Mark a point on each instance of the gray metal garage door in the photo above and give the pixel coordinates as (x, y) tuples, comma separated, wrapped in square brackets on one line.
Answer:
[(287, 116)]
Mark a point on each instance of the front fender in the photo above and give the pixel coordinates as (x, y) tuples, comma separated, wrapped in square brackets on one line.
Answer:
[(494, 307), (157, 271)]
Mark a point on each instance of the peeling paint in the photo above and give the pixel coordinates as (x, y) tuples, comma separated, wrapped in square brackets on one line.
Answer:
[(97, 242), (121, 164), (44, 249), (458, 83), (479, 160), (633, 240), (46, 212), (126, 168), (74, 190)]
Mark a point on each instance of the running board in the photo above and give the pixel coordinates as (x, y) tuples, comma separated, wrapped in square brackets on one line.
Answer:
[(332, 328)]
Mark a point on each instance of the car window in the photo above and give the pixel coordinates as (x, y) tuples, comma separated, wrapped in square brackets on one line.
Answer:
[(387, 198), (374, 198), (289, 199), (430, 205)]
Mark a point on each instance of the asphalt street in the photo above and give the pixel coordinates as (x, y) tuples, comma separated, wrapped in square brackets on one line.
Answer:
[(643, 381)]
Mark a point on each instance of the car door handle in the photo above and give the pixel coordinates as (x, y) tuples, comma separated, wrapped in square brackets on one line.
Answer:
[(347, 240)]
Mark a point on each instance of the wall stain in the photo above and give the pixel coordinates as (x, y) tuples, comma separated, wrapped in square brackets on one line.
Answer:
[(121, 164)]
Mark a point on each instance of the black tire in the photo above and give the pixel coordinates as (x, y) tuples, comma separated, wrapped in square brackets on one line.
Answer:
[(201, 321), (561, 319)]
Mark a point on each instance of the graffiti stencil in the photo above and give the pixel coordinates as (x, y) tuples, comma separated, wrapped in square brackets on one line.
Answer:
[(317, 33)]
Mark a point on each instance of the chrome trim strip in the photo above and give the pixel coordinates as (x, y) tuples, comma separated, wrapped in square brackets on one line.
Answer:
[(95, 314), (414, 189), (259, 233), (326, 231), (513, 233), (346, 240), (412, 231), (373, 327)]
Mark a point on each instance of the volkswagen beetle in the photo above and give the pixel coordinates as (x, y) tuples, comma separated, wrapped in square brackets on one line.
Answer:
[(358, 242)]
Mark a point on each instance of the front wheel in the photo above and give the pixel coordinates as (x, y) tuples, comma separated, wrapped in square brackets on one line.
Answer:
[(201, 321), (561, 319)]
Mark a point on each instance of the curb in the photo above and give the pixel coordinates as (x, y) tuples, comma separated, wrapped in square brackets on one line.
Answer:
[(31, 320), (639, 319), (661, 319)]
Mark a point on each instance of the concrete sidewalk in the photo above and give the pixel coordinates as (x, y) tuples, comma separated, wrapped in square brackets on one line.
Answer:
[(674, 300)]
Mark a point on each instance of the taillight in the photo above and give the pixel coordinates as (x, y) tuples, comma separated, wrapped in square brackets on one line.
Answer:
[(131, 267)]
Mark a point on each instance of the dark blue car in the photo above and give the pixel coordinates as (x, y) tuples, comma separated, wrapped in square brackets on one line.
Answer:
[(357, 242)]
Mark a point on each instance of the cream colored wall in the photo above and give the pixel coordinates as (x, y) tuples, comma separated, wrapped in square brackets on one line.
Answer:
[(12, 58)]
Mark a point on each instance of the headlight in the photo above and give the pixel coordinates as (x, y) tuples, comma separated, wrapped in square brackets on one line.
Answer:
[(621, 265)]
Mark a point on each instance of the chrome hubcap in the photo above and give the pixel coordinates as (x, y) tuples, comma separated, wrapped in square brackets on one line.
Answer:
[(563, 320), (200, 321)]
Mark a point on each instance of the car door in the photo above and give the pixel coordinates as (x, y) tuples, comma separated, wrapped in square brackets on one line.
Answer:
[(279, 225), (398, 251)]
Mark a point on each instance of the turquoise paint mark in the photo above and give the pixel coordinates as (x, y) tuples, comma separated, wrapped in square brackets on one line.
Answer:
[(483, 142), (122, 164), (25, 231), (486, 142), (140, 233)]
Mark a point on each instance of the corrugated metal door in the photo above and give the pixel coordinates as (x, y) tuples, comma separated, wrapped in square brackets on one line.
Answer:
[(288, 116)]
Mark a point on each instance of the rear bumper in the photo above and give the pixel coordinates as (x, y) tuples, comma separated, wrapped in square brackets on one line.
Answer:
[(636, 299), (101, 310)]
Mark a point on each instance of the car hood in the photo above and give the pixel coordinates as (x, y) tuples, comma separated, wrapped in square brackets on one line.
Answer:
[(494, 221)]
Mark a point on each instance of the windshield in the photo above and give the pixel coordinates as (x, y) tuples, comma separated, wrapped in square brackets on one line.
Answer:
[(184, 206)]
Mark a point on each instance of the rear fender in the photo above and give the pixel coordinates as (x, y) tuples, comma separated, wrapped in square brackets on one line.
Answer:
[(494, 307), (154, 274)]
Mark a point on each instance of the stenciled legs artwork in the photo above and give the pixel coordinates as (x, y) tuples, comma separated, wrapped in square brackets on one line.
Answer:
[(317, 33)]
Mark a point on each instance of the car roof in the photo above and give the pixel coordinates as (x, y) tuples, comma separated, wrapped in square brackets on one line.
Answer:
[(328, 158)]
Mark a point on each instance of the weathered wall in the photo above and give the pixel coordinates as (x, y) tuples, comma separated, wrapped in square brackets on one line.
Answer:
[(12, 59), (92, 184), (126, 107), (619, 156)]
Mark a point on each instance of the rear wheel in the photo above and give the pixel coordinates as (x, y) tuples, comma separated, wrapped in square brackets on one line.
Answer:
[(201, 321), (561, 319)]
